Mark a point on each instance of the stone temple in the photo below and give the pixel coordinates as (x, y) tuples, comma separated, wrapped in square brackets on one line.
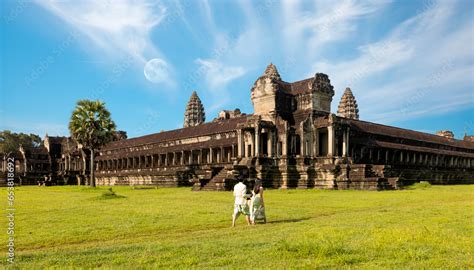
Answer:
[(292, 140)]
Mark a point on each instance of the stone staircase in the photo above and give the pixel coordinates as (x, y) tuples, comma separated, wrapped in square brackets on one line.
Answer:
[(371, 177), (216, 183)]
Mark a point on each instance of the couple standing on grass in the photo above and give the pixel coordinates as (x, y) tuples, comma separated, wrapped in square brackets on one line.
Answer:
[(250, 205)]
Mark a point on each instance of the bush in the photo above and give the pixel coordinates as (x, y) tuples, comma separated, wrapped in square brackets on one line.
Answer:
[(420, 185)]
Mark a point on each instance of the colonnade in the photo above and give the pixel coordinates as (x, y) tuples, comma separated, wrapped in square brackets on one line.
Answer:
[(213, 155)]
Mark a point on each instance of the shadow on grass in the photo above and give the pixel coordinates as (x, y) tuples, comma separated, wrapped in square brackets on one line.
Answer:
[(110, 194), (287, 220)]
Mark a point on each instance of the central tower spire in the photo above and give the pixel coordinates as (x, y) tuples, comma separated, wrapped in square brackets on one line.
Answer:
[(348, 106), (194, 114)]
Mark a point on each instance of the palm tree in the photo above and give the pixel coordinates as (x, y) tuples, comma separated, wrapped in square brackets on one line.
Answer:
[(92, 127)]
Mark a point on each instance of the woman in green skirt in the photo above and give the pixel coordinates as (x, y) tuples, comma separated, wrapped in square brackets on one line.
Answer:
[(257, 207)]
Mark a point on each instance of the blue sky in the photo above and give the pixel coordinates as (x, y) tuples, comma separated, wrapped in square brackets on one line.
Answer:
[(409, 63)]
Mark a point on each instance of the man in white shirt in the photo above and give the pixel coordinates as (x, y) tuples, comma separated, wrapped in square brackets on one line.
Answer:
[(240, 204)]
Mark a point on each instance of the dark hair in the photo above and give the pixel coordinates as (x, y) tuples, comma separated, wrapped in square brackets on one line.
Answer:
[(257, 186)]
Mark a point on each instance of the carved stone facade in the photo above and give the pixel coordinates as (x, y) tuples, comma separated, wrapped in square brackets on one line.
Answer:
[(194, 114), (348, 106), (445, 133), (292, 140), (60, 160)]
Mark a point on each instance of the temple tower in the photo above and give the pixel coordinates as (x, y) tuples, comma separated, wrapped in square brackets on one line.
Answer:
[(194, 114), (348, 106), (264, 91), (445, 133), (272, 72)]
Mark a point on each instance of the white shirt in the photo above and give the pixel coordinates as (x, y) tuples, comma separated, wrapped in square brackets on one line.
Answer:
[(240, 193)]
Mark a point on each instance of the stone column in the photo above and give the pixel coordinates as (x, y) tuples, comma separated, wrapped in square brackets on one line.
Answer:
[(347, 141), (330, 141), (273, 142), (211, 156), (302, 145), (257, 141), (316, 142), (344, 144), (239, 143), (251, 141), (243, 145), (199, 156)]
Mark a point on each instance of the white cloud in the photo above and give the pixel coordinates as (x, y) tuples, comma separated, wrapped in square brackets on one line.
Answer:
[(385, 73), (422, 67), (116, 28), (308, 30), (217, 75)]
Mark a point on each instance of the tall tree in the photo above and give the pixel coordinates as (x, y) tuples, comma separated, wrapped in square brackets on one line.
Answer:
[(92, 127), (10, 143)]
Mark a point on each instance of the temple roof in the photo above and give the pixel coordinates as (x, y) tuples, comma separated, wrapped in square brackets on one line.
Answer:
[(306, 85), (188, 132), (408, 134)]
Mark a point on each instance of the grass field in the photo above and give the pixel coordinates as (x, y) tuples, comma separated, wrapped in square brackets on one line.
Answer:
[(429, 227)]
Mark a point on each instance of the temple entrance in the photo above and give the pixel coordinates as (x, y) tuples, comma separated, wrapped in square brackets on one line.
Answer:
[(339, 142), (297, 149), (323, 143), (264, 143)]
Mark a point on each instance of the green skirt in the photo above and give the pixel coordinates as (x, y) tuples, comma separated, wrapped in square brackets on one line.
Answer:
[(258, 211)]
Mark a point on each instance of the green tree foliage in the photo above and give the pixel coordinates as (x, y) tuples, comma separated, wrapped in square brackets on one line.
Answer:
[(92, 127), (10, 142)]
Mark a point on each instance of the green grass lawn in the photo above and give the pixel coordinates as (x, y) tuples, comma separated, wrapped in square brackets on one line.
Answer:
[(177, 228)]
